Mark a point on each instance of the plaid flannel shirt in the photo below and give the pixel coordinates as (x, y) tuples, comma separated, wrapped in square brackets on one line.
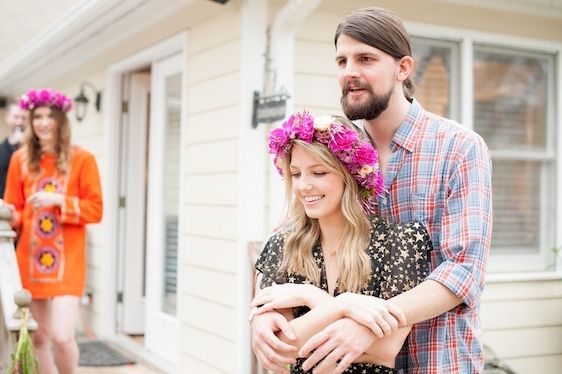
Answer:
[(439, 173)]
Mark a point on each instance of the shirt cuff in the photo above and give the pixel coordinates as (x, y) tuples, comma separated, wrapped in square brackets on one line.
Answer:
[(458, 279), (70, 210)]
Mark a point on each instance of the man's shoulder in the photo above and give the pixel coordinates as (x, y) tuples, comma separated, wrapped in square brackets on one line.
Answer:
[(5, 145), (449, 130)]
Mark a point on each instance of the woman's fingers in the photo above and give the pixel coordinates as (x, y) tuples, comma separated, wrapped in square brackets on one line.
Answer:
[(398, 313)]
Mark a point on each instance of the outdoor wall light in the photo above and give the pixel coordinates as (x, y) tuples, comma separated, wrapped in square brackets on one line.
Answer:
[(81, 101)]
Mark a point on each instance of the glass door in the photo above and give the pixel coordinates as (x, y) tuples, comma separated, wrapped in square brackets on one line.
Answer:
[(162, 320)]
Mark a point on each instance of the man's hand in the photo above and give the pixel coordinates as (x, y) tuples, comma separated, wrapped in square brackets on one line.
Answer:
[(344, 341), (271, 352)]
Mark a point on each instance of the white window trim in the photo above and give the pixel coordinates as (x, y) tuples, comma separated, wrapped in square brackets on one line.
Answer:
[(467, 38)]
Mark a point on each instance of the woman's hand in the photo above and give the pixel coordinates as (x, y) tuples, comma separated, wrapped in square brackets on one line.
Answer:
[(11, 206), (381, 316), (272, 353), (289, 295), (45, 199)]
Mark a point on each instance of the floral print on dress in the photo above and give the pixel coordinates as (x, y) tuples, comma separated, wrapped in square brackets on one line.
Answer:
[(399, 258), (47, 244), (47, 259)]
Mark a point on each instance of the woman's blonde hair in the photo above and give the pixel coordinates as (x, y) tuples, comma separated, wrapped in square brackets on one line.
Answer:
[(32, 148), (304, 233)]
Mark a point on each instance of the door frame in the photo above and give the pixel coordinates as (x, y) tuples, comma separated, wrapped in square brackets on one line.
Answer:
[(109, 281)]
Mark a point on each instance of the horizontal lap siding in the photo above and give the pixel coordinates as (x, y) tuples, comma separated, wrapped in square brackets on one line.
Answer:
[(210, 196), (522, 324)]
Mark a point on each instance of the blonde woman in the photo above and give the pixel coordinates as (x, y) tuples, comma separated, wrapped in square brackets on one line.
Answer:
[(333, 260)]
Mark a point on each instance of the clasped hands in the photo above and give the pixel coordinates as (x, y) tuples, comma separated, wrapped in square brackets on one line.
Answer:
[(359, 321)]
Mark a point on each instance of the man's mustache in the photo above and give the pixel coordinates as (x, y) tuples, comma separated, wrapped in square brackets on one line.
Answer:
[(356, 85)]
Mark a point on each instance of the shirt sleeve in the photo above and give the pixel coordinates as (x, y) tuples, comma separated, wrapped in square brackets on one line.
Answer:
[(87, 207), (466, 226), (269, 261), (407, 262)]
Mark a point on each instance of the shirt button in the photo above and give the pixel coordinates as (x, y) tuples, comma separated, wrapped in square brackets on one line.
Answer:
[(383, 200)]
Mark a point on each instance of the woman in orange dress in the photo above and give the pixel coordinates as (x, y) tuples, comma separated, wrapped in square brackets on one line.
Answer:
[(55, 190)]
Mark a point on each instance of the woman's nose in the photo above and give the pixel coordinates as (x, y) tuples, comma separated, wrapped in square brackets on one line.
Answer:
[(305, 185)]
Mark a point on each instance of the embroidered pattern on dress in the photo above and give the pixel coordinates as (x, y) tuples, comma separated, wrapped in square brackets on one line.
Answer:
[(46, 242)]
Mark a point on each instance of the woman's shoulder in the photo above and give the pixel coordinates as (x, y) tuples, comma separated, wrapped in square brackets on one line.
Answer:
[(18, 153), (81, 156), (277, 238)]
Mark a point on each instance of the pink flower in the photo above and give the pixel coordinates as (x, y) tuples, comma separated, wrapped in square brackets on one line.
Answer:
[(364, 154), (45, 96), (342, 140), (306, 127), (278, 138)]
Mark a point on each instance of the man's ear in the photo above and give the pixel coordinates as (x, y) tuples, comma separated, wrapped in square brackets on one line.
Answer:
[(405, 67)]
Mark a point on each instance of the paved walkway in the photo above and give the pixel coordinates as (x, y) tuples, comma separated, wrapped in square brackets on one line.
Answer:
[(125, 369)]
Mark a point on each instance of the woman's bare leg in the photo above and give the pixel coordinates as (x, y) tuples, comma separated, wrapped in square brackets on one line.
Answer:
[(65, 312), (41, 311)]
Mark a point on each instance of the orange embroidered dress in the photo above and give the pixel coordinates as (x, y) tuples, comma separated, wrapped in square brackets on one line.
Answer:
[(51, 248)]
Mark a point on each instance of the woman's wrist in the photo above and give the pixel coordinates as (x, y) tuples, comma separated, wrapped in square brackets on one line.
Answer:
[(316, 297)]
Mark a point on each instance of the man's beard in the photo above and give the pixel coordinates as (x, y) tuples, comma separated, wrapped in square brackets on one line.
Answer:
[(371, 109)]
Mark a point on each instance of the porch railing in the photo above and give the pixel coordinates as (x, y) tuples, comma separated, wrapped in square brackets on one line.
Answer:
[(10, 286)]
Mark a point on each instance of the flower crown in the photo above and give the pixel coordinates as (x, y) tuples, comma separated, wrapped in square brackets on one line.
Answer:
[(45, 97), (356, 154)]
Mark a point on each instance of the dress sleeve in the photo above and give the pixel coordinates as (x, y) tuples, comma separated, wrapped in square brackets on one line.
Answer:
[(269, 261), (407, 259), (87, 206)]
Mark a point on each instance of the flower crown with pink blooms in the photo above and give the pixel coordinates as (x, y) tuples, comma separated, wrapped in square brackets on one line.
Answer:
[(356, 154), (45, 97)]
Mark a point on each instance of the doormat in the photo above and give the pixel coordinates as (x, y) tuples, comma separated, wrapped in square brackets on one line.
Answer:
[(98, 353)]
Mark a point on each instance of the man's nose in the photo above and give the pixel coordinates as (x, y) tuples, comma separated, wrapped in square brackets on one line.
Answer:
[(351, 70)]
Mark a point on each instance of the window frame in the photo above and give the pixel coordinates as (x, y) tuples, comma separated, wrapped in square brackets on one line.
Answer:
[(551, 231)]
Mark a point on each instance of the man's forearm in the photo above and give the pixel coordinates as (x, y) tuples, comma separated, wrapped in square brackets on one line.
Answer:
[(425, 301)]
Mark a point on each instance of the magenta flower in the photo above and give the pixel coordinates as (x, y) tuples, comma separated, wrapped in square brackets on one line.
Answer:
[(278, 138), (45, 97), (342, 140), (356, 155), (364, 154)]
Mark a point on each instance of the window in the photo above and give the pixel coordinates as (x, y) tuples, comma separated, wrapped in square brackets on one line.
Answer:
[(512, 108), (436, 75), (511, 111)]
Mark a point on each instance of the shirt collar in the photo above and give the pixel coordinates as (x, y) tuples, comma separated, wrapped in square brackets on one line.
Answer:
[(408, 132)]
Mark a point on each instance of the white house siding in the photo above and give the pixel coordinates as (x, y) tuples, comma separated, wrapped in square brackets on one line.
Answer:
[(90, 135), (523, 324), (211, 195), (522, 320)]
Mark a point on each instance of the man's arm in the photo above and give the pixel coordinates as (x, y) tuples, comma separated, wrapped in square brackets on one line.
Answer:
[(466, 228), (427, 300)]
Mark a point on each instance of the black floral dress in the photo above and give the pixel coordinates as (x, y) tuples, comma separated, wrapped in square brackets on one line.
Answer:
[(399, 259)]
